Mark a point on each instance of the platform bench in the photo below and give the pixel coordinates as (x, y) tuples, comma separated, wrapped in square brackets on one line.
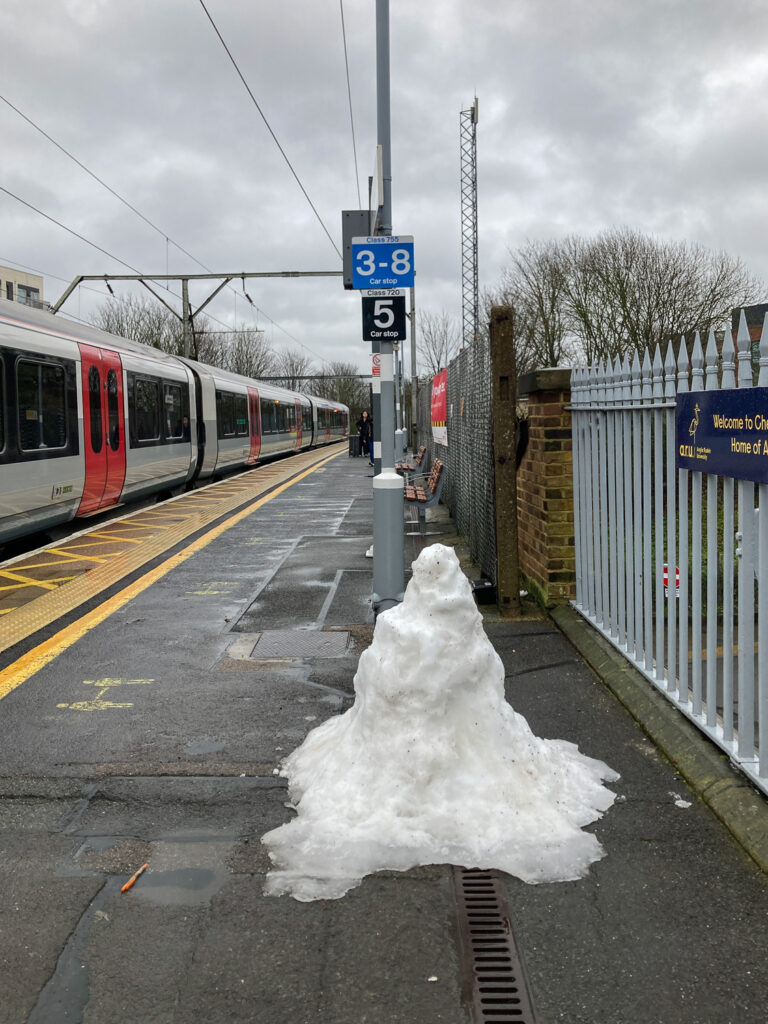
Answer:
[(406, 468), (425, 497)]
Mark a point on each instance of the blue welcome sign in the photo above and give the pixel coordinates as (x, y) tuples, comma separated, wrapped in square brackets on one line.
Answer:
[(724, 432)]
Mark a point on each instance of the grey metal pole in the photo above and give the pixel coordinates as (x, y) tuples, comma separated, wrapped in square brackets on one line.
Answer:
[(186, 318), (376, 414), (382, 112), (388, 545), (396, 370), (414, 374), (399, 432)]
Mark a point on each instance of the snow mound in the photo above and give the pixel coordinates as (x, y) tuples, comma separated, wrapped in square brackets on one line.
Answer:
[(431, 764)]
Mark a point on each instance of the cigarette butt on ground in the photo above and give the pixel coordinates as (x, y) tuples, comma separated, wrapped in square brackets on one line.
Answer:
[(133, 878)]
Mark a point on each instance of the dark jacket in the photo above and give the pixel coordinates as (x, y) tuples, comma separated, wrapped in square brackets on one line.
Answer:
[(365, 429)]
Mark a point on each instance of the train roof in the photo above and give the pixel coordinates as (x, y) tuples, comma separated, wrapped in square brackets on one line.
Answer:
[(58, 326)]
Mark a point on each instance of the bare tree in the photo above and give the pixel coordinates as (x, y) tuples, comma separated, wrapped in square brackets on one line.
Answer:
[(437, 341), (627, 291), (616, 293), (150, 323), (342, 384), (534, 285), (290, 365), (248, 353), (140, 319), (243, 350)]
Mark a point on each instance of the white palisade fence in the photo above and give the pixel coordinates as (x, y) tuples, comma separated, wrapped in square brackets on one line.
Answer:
[(638, 518)]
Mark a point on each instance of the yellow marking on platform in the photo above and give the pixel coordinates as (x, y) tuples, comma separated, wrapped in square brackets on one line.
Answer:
[(25, 581), (98, 703), (53, 582), (44, 653), (140, 526), (90, 544), (26, 566), (73, 557), (119, 539), (208, 590)]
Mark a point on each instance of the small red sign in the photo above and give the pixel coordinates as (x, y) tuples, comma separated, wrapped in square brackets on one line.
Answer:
[(666, 581), (376, 365)]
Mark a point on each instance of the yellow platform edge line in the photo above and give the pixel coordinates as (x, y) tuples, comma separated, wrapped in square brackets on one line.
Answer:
[(36, 659)]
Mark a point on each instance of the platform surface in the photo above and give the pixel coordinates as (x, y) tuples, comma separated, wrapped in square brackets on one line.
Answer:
[(147, 725)]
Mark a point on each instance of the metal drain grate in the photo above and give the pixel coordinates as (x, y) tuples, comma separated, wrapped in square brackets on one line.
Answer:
[(495, 984), (301, 643)]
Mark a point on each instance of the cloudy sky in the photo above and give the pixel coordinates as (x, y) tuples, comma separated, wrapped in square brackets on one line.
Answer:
[(593, 113)]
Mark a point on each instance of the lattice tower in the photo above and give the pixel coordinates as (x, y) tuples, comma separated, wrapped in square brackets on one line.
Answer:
[(469, 286)]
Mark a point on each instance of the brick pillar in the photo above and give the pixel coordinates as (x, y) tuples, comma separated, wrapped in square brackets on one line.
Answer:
[(545, 488)]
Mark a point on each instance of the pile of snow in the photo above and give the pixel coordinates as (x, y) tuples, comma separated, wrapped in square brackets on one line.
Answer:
[(431, 765)]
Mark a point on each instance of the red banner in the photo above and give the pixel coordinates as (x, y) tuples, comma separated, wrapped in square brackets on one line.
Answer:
[(440, 408)]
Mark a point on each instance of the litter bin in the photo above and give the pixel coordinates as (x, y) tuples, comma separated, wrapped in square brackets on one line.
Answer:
[(354, 444)]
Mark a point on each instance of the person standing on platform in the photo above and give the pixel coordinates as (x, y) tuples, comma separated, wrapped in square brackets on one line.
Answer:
[(365, 429)]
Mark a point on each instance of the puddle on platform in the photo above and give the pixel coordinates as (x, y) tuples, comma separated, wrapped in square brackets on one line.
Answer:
[(190, 871), (204, 746)]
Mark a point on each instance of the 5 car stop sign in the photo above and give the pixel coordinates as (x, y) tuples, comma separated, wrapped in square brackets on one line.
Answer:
[(384, 314)]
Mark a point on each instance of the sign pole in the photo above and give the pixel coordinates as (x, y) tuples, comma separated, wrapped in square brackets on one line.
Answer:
[(376, 413), (388, 542)]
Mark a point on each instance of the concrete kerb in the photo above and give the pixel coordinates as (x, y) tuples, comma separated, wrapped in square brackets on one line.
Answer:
[(741, 808)]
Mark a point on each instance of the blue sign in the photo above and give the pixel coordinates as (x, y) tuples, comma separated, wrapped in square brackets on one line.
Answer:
[(724, 432), (383, 261)]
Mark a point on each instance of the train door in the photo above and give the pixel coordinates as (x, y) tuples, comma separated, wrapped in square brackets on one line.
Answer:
[(114, 418), (254, 417), (103, 435), (298, 424)]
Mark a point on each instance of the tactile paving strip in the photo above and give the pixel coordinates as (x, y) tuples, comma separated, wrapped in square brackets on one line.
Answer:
[(27, 619)]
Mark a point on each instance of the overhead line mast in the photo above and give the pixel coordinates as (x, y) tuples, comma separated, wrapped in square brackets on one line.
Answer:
[(470, 301)]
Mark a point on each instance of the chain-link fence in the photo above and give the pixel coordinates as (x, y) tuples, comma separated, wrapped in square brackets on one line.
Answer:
[(468, 490)]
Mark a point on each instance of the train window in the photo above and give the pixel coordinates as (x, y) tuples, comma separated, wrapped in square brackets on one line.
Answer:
[(306, 414), (147, 408), (283, 418), (2, 405), (174, 428), (94, 407), (268, 424), (41, 405), (113, 411), (241, 415), (225, 413)]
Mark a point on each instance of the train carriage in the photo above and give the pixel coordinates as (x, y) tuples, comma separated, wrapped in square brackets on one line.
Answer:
[(89, 421)]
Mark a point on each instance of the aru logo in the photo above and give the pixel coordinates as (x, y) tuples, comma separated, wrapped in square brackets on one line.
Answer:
[(690, 449)]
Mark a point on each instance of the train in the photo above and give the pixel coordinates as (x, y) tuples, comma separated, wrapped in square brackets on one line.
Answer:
[(90, 421)]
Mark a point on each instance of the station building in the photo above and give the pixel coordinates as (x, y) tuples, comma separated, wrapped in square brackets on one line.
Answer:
[(19, 286)]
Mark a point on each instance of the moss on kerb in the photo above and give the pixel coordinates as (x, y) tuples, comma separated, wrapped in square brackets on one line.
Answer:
[(729, 794)]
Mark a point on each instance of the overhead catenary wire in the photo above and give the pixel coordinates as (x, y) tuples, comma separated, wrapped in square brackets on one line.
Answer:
[(71, 231), (269, 129), (101, 181), (112, 191), (139, 214), (111, 256), (44, 273), (349, 97)]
